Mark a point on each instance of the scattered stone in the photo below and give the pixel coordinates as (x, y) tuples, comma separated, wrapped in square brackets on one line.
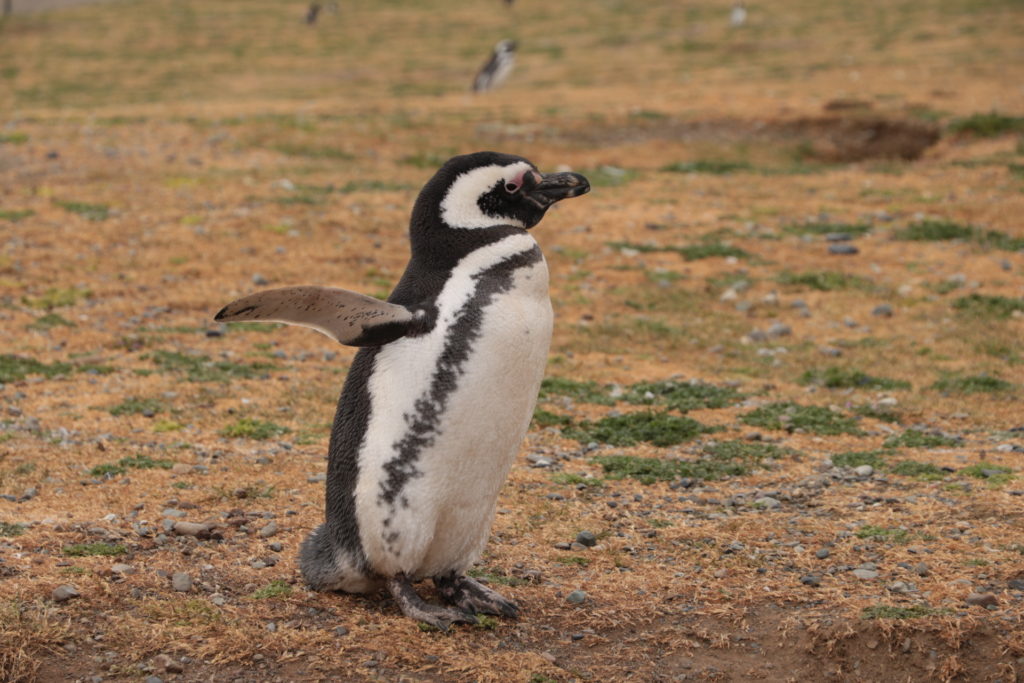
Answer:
[(812, 580), (767, 502), (181, 582), (64, 593), (982, 599), (191, 529), (865, 574), (838, 237), (153, 679), (122, 569), (830, 351), (721, 573), (576, 597), (217, 599), (922, 569), (843, 249), (181, 468), (586, 538), (167, 663), (778, 329), (259, 280), (268, 530), (562, 545), (173, 512), (822, 553), (275, 546), (864, 470), (340, 631), (317, 478), (883, 310), (900, 587)]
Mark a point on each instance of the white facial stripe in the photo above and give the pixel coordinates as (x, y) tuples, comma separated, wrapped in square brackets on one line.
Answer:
[(459, 208)]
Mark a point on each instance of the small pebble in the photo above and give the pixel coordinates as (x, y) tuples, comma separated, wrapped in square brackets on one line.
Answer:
[(843, 249), (767, 502), (259, 280), (865, 574), (576, 597), (981, 599), (586, 538), (810, 580), (64, 593), (864, 470), (268, 530), (822, 553), (883, 310), (181, 582)]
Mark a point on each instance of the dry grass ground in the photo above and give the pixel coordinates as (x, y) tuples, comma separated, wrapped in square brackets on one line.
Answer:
[(156, 156)]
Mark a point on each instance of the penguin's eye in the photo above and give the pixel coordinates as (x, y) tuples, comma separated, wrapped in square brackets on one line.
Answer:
[(511, 187)]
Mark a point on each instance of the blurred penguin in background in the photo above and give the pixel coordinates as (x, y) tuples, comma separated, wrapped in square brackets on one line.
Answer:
[(738, 15), (497, 68)]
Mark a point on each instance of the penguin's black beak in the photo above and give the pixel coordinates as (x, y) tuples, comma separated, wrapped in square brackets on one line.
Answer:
[(554, 187)]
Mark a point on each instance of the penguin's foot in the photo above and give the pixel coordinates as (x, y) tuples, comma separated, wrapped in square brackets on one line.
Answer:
[(473, 596), (414, 607)]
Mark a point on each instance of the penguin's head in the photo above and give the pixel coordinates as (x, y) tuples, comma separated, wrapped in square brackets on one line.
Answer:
[(488, 189)]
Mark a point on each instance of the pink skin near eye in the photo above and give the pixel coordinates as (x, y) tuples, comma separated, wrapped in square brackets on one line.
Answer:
[(515, 183)]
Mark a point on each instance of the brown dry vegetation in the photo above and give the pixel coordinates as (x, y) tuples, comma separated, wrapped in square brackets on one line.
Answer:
[(155, 156)]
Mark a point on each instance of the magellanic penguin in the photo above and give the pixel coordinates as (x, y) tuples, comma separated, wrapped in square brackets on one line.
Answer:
[(439, 398), (497, 68)]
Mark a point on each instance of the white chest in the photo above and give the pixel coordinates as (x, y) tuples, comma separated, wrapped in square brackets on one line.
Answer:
[(449, 410)]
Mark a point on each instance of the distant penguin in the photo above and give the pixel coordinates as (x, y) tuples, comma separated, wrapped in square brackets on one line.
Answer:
[(313, 12), (497, 68), (438, 401), (738, 15)]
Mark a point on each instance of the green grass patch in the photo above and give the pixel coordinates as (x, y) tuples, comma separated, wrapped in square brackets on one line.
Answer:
[(972, 384), (915, 438), (574, 479), (988, 306), (8, 530), (312, 151), (712, 166), (15, 215), (161, 426), (274, 589), (90, 212), (790, 416), (94, 549), (609, 176), (583, 392), (924, 471), (935, 231), (881, 533), (994, 475), (14, 368), (987, 125), (56, 297), (545, 418), (858, 458), (137, 462), (819, 228), (650, 470), (882, 413), (499, 579), (749, 452), (573, 559), (49, 321), (202, 369), (691, 252), (659, 429), (844, 378), (824, 281), (136, 406), (250, 428), (892, 612), (13, 138), (681, 396)]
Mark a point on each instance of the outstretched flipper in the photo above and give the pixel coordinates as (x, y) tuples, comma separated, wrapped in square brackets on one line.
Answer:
[(473, 596), (348, 317), (414, 607)]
